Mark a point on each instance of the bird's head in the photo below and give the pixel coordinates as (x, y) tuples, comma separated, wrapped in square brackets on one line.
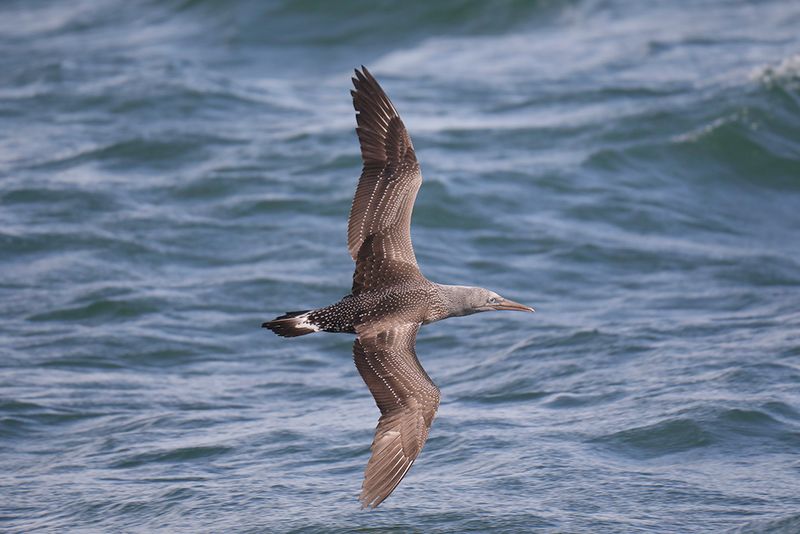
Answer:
[(469, 300), (485, 300)]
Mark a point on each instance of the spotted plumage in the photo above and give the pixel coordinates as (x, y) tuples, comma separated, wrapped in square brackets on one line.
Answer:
[(390, 298)]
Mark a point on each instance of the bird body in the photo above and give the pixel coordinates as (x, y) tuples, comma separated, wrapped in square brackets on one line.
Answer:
[(390, 298), (421, 303)]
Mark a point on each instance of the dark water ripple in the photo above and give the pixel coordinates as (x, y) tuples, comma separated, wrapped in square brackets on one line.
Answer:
[(173, 173)]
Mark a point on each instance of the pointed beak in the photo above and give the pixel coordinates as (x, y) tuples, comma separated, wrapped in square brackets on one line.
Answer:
[(506, 304)]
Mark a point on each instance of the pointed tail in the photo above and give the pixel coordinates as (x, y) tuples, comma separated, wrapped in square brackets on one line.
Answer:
[(292, 324)]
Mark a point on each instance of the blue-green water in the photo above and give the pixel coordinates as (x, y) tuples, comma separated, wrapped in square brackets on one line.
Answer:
[(174, 173)]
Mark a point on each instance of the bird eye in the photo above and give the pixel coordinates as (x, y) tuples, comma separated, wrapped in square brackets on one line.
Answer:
[(493, 300)]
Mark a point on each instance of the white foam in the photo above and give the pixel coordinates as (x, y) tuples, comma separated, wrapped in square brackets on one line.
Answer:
[(785, 72)]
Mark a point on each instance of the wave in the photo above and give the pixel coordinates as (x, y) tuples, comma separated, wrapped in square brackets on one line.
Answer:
[(353, 21), (702, 428), (749, 138), (787, 524)]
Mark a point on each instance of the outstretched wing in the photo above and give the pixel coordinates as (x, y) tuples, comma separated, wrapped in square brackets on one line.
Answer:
[(389, 182), (407, 399)]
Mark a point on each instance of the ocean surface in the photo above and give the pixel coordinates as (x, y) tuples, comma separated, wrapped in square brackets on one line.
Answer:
[(173, 173)]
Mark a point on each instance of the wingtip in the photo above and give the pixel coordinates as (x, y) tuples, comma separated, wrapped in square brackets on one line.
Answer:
[(360, 76), (363, 75), (368, 505)]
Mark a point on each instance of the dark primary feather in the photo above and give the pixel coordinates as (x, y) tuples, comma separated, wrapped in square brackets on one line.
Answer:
[(390, 177), (407, 399)]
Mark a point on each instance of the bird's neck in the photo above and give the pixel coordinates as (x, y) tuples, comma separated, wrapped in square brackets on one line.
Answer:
[(456, 300)]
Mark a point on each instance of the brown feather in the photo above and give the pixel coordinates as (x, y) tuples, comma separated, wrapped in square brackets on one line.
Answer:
[(407, 399), (391, 177)]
